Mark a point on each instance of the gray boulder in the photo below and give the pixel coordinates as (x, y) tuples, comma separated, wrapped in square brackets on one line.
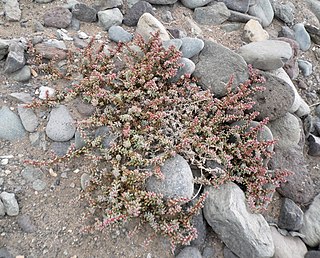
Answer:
[(178, 179), (287, 246), (110, 17), (284, 11), (119, 34), (214, 14), (263, 10), (22, 75), (247, 235), (191, 46), (84, 13), (311, 223), (11, 127), (191, 4), (61, 126), (133, 15), (291, 216), (15, 60), (266, 55), (305, 67), (215, 65), (302, 36), (10, 203)]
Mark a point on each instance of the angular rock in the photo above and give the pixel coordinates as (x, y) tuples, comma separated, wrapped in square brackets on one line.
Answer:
[(215, 65), (191, 46), (15, 60), (192, 4), (58, 17), (12, 10), (241, 6), (4, 48), (314, 145), (178, 179), (84, 13), (305, 67), (287, 246), (133, 15), (214, 14), (286, 131), (11, 127), (10, 203), (302, 36), (275, 101), (26, 224), (148, 24), (61, 126), (263, 10), (266, 55), (244, 233), (286, 32), (291, 216), (22, 75), (189, 252), (119, 34), (284, 11), (311, 223), (253, 31), (28, 118), (110, 17), (299, 186)]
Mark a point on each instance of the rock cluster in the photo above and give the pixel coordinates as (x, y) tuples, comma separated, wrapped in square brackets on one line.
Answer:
[(244, 233)]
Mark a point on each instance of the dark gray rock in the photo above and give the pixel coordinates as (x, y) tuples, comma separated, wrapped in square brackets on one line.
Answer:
[(266, 55), (291, 216), (313, 31), (162, 2), (200, 224), (311, 224), (189, 252), (246, 234), (10, 203), (26, 224), (57, 17), (284, 11), (299, 186), (241, 6), (214, 14), (22, 75), (263, 10), (286, 32), (287, 246), (241, 17), (11, 127), (133, 15), (191, 46), (312, 254), (227, 253), (101, 5), (110, 17), (276, 100), (314, 145), (15, 60), (61, 126), (28, 118), (84, 13), (60, 148), (305, 67), (119, 34), (187, 68), (302, 36), (215, 65), (178, 179), (192, 4)]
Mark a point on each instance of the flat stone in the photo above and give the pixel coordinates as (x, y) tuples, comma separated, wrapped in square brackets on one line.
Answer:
[(214, 14), (291, 216), (148, 24), (215, 65), (312, 254), (28, 118), (21, 96), (58, 17), (119, 34), (244, 233), (84, 13), (302, 36), (311, 224), (12, 10), (191, 46), (61, 126), (266, 55), (109, 18), (15, 59), (286, 32), (253, 31), (10, 203), (133, 15), (286, 130), (263, 10), (287, 246), (11, 127), (178, 179)]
